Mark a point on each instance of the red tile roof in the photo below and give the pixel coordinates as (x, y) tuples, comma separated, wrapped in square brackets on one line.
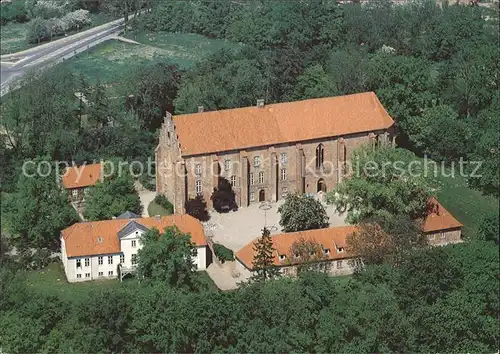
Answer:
[(81, 176), (329, 238), (240, 128), (81, 239), (439, 218)]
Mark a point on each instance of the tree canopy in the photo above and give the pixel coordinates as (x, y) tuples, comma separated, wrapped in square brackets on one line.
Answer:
[(167, 257), (301, 212), (385, 181), (113, 196), (39, 209)]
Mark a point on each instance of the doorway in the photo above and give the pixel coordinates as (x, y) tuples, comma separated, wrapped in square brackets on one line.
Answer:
[(262, 195), (321, 186)]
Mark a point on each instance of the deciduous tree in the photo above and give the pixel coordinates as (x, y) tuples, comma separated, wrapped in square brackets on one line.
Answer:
[(379, 240), (384, 182), (39, 209), (167, 257), (112, 196), (301, 212)]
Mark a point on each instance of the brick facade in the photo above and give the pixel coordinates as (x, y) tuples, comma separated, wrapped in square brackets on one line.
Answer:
[(265, 173), (299, 160)]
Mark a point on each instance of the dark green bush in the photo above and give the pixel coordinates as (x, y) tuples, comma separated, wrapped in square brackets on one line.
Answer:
[(162, 201), (147, 182), (223, 253), (13, 11)]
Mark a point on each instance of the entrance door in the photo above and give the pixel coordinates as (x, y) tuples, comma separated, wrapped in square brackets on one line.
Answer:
[(321, 185), (262, 196)]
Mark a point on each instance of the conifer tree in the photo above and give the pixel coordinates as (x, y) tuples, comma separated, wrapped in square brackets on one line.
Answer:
[(263, 261)]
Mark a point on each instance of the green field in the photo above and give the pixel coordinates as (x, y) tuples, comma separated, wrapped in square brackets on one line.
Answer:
[(13, 38), (114, 62), (467, 205), (52, 281), (155, 209)]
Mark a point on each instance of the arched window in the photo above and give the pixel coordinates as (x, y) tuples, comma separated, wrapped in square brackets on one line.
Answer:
[(319, 156)]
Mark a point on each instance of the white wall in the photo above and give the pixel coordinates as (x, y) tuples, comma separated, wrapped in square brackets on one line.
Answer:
[(94, 268)]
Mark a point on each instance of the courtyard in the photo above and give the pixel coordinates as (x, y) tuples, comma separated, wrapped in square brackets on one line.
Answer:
[(236, 229)]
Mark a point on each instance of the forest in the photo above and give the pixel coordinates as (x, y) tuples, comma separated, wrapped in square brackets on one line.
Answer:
[(434, 68)]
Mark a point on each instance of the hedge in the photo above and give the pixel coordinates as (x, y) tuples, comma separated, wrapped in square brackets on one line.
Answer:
[(223, 253)]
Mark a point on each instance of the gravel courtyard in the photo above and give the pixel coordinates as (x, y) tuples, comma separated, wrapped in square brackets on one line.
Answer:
[(236, 229)]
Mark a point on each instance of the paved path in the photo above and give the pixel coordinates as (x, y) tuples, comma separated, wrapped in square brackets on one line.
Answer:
[(146, 197), (222, 277), (236, 229)]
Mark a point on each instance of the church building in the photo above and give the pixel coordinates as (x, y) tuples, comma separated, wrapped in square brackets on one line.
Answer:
[(266, 151)]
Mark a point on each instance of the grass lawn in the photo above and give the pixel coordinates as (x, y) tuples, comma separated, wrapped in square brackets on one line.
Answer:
[(52, 281), (182, 49), (13, 38), (114, 61), (466, 204), (155, 209)]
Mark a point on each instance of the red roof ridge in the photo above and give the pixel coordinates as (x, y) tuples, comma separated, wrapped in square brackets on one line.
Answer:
[(438, 218), (80, 237), (280, 123), (81, 176), (330, 237)]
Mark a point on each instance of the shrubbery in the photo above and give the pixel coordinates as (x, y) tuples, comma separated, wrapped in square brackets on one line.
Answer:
[(48, 9), (223, 253), (13, 11), (40, 29), (162, 201), (147, 182)]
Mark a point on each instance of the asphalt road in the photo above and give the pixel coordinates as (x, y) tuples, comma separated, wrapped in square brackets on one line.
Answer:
[(15, 65)]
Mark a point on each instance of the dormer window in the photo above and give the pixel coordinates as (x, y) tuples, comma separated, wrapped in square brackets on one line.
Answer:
[(282, 257), (326, 250), (99, 239), (296, 255), (340, 249)]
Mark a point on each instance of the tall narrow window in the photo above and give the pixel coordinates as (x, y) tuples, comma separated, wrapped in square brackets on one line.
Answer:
[(283, 158), (87, 262), (198, 187), (256, 161), (233, 181), (134, 259), (122, 258), (197, 169), (78, 263), (261, 177), (283, 174), (134, 243), (227, 165), (110, 259), (319, 156), (100, 260), (252, 196), (251, 178)]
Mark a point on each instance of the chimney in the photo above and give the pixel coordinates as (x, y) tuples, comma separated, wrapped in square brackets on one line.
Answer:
[(200, 109), (260, 103)]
